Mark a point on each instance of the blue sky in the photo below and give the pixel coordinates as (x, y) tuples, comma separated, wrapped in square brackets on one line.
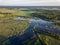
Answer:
[(30, 2)]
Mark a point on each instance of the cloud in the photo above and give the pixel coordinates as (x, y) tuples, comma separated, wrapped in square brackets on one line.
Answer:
[(29, 2)]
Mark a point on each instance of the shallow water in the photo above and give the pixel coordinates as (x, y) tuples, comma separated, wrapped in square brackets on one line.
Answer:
[(38, 25)]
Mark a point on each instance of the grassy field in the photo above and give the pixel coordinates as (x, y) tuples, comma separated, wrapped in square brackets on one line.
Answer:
[(11, 28), (7, 13)]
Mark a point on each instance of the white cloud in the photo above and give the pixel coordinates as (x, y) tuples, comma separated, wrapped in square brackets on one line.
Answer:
[(29, 2)]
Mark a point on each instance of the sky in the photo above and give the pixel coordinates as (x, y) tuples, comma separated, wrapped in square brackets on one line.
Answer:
[(29, 2)]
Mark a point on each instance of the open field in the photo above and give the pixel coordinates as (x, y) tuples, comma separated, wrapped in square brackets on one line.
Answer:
[(51, 15), (9, 27)]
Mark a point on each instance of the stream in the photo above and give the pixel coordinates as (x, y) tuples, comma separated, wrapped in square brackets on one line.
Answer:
[(40, 26)]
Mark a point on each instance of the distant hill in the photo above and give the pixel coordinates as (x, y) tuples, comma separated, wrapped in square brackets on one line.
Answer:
[(29, 6)]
